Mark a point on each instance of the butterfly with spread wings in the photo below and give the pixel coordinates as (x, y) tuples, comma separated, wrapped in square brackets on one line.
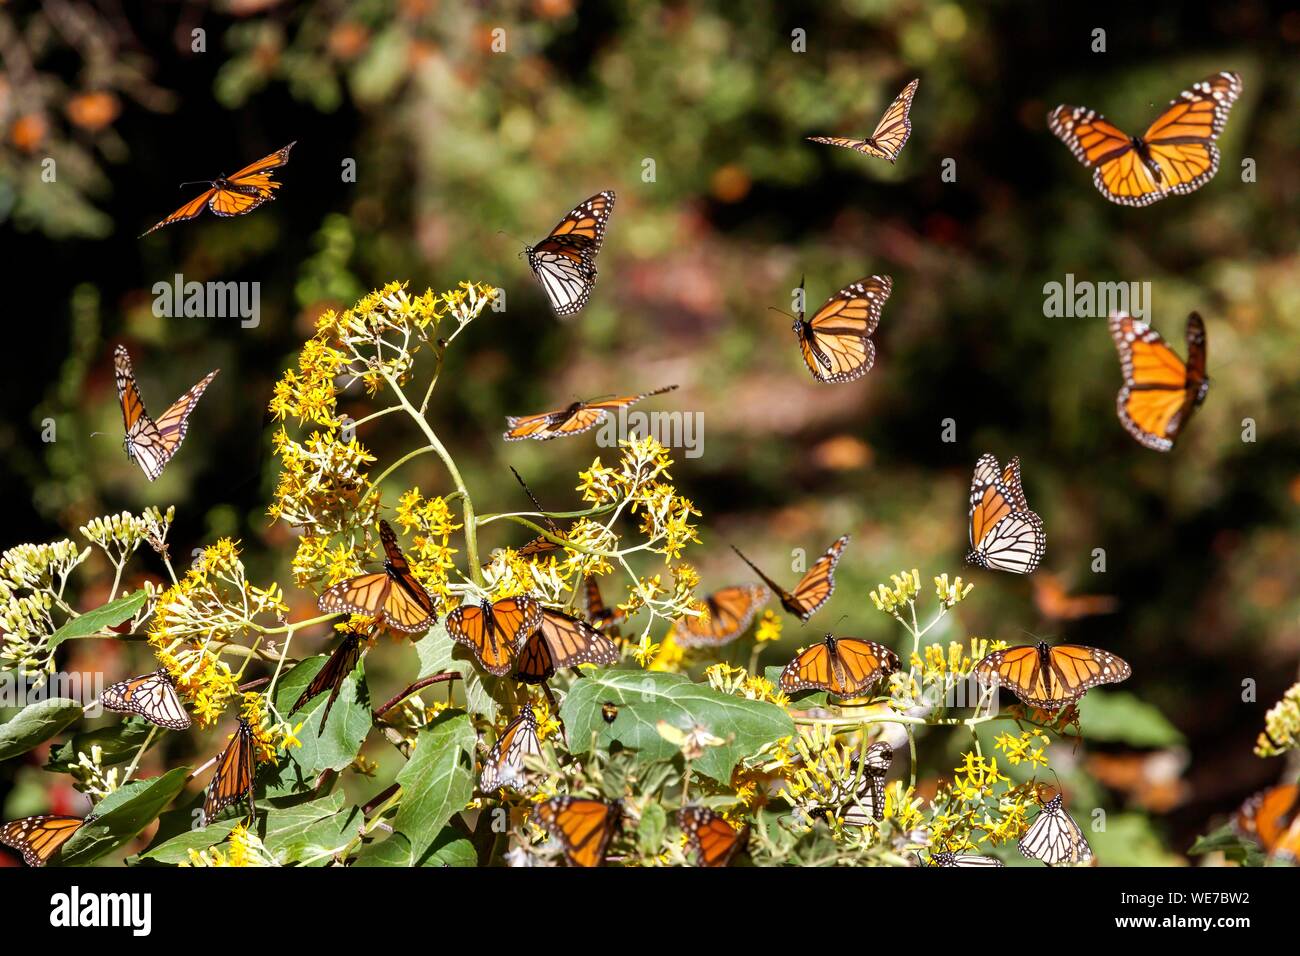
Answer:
[(814, 589), (730, 612), (565, 261), (582, 827), (234, 195), (341, 663), (710, 837), (1054, 838), (562, 641), (890, 133), (1004, 534), (842, 666), (39, 838), (573, 420), (835, 342), (1051, 677), (948, 858), (148, 443), (1272, 819), (494, 629), (870, 796), (602, 617), (1176, 155), (152, 696), (1160, 390), (504, 766), (232, 781), (392, 596)]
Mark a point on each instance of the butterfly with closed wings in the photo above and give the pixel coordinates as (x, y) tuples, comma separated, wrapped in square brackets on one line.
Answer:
[(1004, 534), (886, 142), (341, 663), (709, 836), (1160, 390), (835, 342), (950, 859), (232, 781), (234, 195), (814, 588), (603, 617), (573, 419), (152, 696), (564, 263), (869, 802), (582, 827), (148, 443), (1054, 838), (392, 597), (504, 766)]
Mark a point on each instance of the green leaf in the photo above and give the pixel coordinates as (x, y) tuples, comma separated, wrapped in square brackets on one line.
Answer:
[(177, 849), (92, 623), (449, 849), (121, 815), (437, 782), (439, 653), (310, 829), (644, 698), (349, 722), (1234, 847), (1122, 717), (35, 724), (118, 743), (650, 831)]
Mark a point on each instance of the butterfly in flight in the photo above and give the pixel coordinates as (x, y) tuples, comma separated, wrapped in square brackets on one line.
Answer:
[(392, 596), (232, 781), (1272, 818), (731, 611), (562, 641), (1176, 155), (582, 827), (1004, 534), (1051, 677), (153, 696), (841, 666), (565, 261), (342, 661), (890, 133), (148, 443), (870, 797), (39, 838), (836, 342), (814, 589), (234, 195), (504, 766), (1054, 838), (709, 836), (948, 858), (573, 420), (1057, 604), (494, 629), (601, 616), (1160, 391)]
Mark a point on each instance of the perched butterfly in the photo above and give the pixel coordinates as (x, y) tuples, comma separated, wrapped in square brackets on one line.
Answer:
[(814, 589), (392, 596), (1054, 602), (493, 630), (709, 836), (148, 443), (1272, 818), (562, 641), (948, 858), (1160, 391), (1051, 677), (232, 781), (153, 696), (841, 666), (565, 261), (1054, 837), (504, 766), (39, 838), (870, 803), (835, 341), (1175, 155), (730, 612), (890, 134), (602, 617), (573, 420), (342, 661), (582, 827), (1004, 534), (234, 195)]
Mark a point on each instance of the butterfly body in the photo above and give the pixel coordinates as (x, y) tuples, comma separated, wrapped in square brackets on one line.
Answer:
[(887, 140), (842, 666), (835, 342), (562, 641), (1160, 390), (392, 596), (233, 778), (234, 195), (564, 263), (149, 443), (492, 630), (1050, 677), (504, 766)]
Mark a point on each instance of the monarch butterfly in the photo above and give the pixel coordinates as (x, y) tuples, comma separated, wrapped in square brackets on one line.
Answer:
[(948, 858), (1175, 155), (562, 641), (234, 195), (1054, 837), (1004, 534), (890, 133), (835, 341), (1160, 391), (709, 836), (573, 420), (1272, 817), (153, 696), (39, 838), (392, 596), (582, 827), (342, 661), (1051, 677), (870, 803), (148, 443), (541, 544), (565, 261), (841, 666), (602, 618), (492, 630), (233, 779), (504, 766), (730, 612), (815, 588)]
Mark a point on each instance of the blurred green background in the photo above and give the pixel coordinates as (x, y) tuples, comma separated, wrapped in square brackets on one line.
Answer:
[(459, 149)]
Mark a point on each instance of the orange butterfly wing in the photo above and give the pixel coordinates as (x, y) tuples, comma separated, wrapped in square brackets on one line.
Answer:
[(731, 610), (233, 779), (393, 596), (186, 212), (709, 836), (583, 827), (1160, 390), (890, 134), (342, 661), (835, 341), (817, 586), (841, 666), (255, 173), (493, 630), (39, 838), (562, 641)]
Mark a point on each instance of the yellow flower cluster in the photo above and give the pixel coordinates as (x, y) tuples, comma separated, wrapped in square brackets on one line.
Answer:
[(1281, 726), (1028, 747), (769, 628), (243, 848), (979, 800), (323, 486), (740, 683), (955, 661), (430, 554), (907, 585), (954, 593)]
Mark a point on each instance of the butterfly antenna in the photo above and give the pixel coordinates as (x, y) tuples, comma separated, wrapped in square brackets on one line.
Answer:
[(551, 525), (788, 315), (195, 182)]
